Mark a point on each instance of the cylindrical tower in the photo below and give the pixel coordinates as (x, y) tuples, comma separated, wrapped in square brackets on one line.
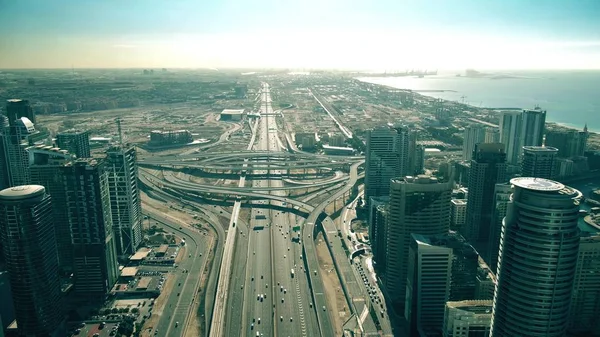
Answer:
[(29, 242), (538, 255)]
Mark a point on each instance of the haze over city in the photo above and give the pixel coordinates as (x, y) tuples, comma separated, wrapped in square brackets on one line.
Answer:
[(310, 168), (382, 34)]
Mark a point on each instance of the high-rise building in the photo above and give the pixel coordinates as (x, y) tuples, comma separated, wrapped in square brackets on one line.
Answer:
[(76, 142), (485, 284), (377, 223), (458, 214), (386, 158), (88, 205), (569, 143), (502, 194), (510, 135), (538, 161), (427, 285), (492, 135), (27, 234), (585, 304), (440, 268), (18, 108), (415, 154), (15, 133), (45, 164), (419, 205), (488, 167), (473, 135), (125, 199), (538, 258), (467, 318), (534, 124)]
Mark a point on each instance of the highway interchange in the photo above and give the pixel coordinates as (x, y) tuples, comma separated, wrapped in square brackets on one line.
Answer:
[(256, 293)]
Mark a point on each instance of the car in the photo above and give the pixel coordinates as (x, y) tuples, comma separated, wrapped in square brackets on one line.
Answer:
[(96, 335), (258, 320), (176, 324), (281, 288), (291, 319), (285, 291), (251, 326), (310, 304), (282, 300), (324, 308), (266, 285), (261, 277), (102, 325), (281, 318)]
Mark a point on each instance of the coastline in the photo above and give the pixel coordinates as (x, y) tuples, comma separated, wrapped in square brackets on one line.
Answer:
[(594, 135)]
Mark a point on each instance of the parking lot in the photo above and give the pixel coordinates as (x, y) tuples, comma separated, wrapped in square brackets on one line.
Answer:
[(95, 330)]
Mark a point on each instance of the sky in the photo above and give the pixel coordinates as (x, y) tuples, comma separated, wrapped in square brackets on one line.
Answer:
[(301, 34)]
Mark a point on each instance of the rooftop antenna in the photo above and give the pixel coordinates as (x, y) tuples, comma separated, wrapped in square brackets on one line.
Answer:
[(118, 120)]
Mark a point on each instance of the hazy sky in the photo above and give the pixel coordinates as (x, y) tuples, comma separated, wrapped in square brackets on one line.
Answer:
[(365, 34)]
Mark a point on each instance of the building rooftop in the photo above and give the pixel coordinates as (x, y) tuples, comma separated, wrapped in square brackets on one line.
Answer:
[(129, 272), (474, 306), (459, 201), (540, 148), (537, 184), (139, 255), (232, 112), (144, 283), (22, 192)]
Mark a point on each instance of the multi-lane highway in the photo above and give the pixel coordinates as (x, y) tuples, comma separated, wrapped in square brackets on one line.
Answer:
[(264, 285), (178, 305)]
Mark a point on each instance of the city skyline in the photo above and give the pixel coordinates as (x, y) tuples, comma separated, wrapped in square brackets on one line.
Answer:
[(380, 34)]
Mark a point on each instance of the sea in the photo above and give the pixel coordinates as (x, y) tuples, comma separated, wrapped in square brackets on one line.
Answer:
[(571, 98)]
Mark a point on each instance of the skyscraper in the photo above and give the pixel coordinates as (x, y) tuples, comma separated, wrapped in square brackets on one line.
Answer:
[(492, 135), (125, 200), (45, 164), (386, 158), (473, 134), (440, 268), (377, 228), (419, 205), (502, 194), (488, 167), (18, 108), (534, 124), (76, 142), (510, 135), (538, 161), (427, 285), (88, 205), (15, 133), (538, 258), (569, 143), (585, 304), (27, 234)]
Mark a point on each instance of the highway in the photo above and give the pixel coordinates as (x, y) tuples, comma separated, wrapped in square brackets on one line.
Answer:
[(179, 303), (218, 326), (257, 266)]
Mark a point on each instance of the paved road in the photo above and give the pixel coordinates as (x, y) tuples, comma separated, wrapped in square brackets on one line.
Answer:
[(178, 306)]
